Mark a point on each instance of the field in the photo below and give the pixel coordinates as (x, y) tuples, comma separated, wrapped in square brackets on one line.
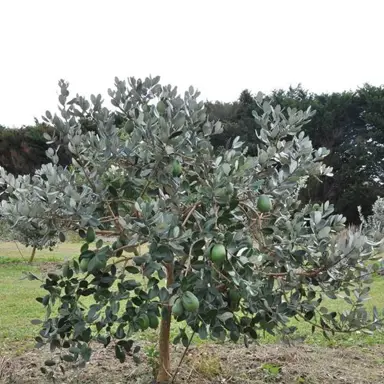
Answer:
[(357, 358)]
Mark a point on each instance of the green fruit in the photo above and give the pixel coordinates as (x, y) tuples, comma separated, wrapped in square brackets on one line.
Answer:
[(143, 321), (129, 126), (190, 302), (218, 253), (153, 321), (177, 308), (91, 235), (176, 168), (84, 265), (245, 321), (161, 107), (264, 204)]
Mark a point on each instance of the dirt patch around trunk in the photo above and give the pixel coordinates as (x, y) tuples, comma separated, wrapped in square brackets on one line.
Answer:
[(211, 363)]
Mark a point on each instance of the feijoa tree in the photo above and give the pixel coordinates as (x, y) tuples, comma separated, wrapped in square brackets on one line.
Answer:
[(28, 233), (222, 244)]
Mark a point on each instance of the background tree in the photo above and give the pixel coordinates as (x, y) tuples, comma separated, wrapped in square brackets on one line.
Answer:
[(237, 120), (349, 124), (229, 250)]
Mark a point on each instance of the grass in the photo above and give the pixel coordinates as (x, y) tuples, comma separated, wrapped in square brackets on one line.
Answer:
[(359, 338), (18, 305)]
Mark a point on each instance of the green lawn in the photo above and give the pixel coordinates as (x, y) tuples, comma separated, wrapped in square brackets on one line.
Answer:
[(360, 338), (18, 305)]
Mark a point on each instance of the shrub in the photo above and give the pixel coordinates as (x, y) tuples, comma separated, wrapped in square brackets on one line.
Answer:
[(277, 264)]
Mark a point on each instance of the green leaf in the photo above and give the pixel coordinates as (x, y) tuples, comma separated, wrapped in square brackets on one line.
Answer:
[(84, 248), (93, 313), (163, 253), (120, 353), (120, 332), (96, 263), (164, 295), (132, 269), (130, 285), (86, 352), (74, 350), (91, 236), (68, 358), (139, 260), (234, 335), (203, 334), (225, 316), (324, 232)]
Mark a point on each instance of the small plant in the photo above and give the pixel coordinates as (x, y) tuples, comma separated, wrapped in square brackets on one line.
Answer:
[(208, 366), (152, 354), (271, 372)]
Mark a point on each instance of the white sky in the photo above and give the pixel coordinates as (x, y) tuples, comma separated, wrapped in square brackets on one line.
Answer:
[(220, 47)]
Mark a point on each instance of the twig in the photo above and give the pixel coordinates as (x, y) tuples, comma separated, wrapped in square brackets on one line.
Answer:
[(106, 233), (190, 374), (221, 274), (189, 214), (312, 273), (19, 250), (182, 357), (125, 259)]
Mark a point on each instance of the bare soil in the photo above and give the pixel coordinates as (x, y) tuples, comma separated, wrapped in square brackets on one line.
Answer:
[(212, 363)]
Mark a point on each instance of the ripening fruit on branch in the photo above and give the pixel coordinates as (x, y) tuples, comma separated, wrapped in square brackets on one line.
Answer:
[(218, 253), (264, 204), (129, 126), (91, 235), (153, 321), (84, 265), (177, 308), (234, 299), (143, 321), (190, 302), (176, 168)]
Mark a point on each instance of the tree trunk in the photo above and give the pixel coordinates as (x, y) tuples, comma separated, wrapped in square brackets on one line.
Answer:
[(32, 255), (164, 373)]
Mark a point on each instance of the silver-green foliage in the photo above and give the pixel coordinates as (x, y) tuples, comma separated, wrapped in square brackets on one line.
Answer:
[(121, 181)]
